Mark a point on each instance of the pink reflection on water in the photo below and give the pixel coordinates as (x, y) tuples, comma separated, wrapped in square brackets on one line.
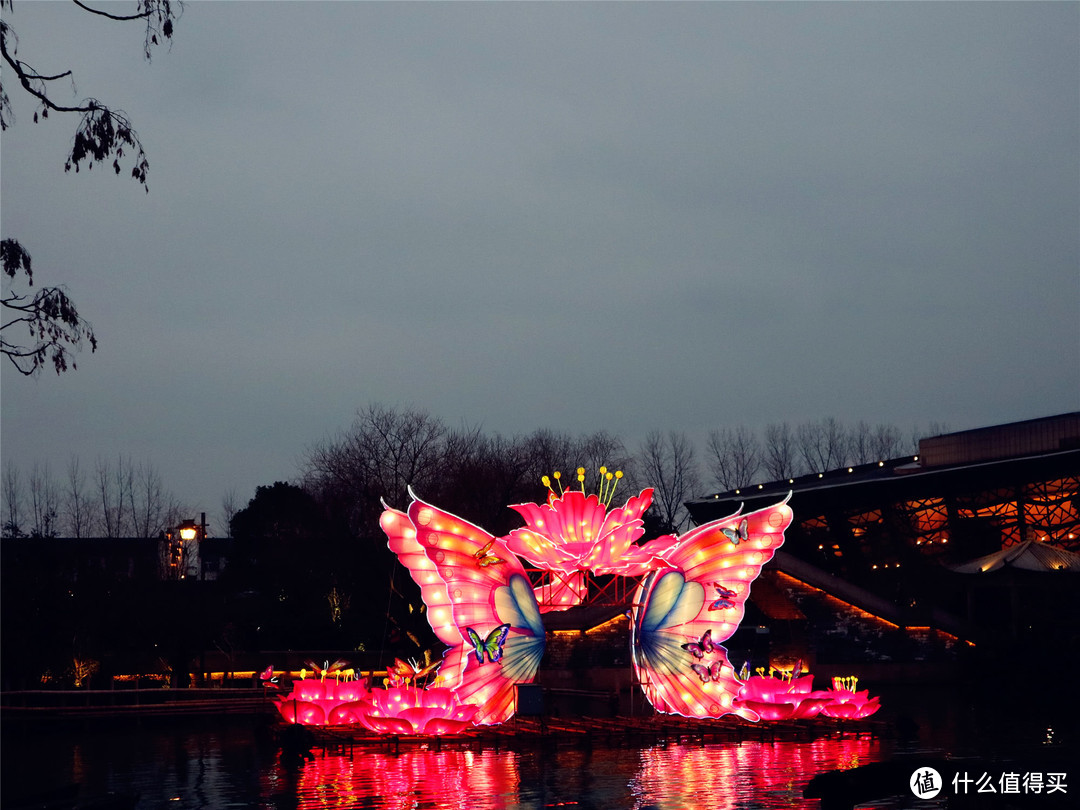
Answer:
[(730, 775), (724, 776), (410, 779)]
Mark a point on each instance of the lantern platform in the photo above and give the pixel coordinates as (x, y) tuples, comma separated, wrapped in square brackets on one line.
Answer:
[(586, 731)]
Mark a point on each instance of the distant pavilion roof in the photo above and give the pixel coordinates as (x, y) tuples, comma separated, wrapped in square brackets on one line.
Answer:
[(1038, 448), (1029, 555)]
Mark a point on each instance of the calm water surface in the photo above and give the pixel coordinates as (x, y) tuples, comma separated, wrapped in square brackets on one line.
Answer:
[(234, 762)]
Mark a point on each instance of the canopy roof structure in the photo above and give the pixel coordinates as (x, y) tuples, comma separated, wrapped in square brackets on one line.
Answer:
[(1030, 555)]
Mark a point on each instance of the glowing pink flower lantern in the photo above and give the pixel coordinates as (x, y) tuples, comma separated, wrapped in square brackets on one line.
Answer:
[(574, 533), (780, 699), (854, 706), (404, 710), (320, 702), (846, 703)]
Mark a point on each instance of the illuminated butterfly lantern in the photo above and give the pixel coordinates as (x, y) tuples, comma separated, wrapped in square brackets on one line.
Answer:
[(482, 605)]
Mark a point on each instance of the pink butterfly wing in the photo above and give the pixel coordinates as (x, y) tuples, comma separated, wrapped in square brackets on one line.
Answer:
[(401, 538), (705, 555), (480, 598), (672, 608)]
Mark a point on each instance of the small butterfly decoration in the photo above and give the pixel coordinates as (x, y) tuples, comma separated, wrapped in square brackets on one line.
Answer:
[(737, 535), (708, 672), (402, 673), (326, 669), (699, 649), (484, 557), (492, 645), (267, 676), (725, 595), (744, 671)]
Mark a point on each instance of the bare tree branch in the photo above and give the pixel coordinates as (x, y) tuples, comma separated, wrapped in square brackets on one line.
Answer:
[(734, 457), (666, 463), (54, 323), (138, 16)]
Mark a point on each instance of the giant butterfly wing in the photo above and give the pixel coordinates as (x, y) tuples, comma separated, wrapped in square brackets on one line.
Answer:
[(401, 538), (479, 598), (701, 589)]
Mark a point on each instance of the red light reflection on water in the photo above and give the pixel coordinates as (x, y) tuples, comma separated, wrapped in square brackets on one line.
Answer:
[(729, 775), (410, 779), (719, 776)]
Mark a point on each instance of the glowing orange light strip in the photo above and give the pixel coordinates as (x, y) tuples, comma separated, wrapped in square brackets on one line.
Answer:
[(929, 629), (865, 613), (858, 610)]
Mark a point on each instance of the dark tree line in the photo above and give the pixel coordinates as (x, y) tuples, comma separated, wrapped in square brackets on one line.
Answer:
[(309, 567), (114, 498), (388, 450)]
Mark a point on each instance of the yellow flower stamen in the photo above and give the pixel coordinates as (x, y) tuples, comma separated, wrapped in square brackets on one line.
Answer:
[(607, 482), (558, 480), (611, 491)]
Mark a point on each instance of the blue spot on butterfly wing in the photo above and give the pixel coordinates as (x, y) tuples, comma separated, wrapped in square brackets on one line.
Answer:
[(515, 605), (671, 602)]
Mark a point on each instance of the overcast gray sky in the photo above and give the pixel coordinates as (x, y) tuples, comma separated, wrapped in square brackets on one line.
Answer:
[(576, 216)]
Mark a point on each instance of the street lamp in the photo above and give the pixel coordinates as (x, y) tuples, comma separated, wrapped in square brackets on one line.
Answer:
[(188, 531)]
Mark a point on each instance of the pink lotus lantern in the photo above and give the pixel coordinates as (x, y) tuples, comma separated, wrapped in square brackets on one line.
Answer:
[(846, 703), (768, 711), (779, 699), (854, 706), (401, 710), (322, 702)]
